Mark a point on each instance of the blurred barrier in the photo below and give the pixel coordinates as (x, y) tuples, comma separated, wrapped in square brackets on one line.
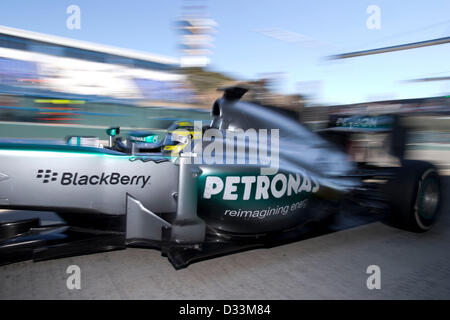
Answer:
[(44, 117)]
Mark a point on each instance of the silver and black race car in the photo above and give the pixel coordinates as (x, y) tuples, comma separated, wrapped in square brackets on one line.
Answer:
[(253, 177)]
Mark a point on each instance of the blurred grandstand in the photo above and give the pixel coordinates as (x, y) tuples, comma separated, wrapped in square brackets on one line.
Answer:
[(51, 87), (40, 64)]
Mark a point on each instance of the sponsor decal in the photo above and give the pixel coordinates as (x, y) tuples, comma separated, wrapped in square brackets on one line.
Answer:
[(259, 187), (364, 122), (78, 179), (47, 175), (268, 212), (147, 139), (252, 197)]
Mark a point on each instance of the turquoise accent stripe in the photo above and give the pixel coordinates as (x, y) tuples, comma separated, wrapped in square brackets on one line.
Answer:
[(58, 148), (73, 149)]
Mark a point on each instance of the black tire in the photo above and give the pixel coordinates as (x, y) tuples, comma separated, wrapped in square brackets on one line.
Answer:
[(415, 196)]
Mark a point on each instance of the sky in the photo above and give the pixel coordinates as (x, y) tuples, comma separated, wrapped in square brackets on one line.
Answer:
[(251, 40)]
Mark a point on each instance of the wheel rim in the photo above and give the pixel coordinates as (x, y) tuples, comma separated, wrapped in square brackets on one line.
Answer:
[(429, 198)]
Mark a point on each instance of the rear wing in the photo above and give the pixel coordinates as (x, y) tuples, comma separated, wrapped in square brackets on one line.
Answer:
[(341, 127)]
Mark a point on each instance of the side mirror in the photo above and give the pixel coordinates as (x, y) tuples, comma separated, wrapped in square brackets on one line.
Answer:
[(112, 132)]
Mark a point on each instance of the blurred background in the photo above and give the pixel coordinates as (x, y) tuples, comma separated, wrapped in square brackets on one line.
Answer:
[(78, 67)]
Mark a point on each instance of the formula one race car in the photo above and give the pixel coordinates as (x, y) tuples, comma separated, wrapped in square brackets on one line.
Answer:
[(253, 177)]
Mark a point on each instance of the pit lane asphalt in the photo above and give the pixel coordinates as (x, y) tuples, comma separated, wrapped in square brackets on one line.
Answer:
[(332, 266)]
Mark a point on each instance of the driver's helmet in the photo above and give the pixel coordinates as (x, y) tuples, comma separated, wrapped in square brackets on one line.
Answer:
[(178, 136)]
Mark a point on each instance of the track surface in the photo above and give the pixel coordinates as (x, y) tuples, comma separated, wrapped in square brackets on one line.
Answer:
[(333, 266)]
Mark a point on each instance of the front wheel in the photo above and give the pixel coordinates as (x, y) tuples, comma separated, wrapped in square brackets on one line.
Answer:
[(415, 196)]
